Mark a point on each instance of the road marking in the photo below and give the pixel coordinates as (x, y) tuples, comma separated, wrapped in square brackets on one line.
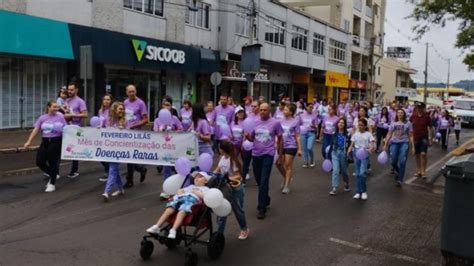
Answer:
[(373, 251), (411, 180)]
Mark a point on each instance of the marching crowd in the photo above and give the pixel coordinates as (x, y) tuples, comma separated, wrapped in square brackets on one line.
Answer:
[(250, 135)]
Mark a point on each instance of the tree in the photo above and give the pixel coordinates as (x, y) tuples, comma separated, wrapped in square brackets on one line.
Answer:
[(428, 12)]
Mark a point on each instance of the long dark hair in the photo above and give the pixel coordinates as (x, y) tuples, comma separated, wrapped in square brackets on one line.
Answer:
[(366, 112), (404, 115), (236, 122), (198, 113), (102, 101), (386, 113), (345, 124), (228, 148)]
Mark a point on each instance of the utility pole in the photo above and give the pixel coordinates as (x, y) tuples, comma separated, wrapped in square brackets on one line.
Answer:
[(253, 16), (447, 83), (371, 77), (425, 91)]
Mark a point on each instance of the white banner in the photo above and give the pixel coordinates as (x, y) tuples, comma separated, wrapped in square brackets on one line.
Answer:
[(127, 146)]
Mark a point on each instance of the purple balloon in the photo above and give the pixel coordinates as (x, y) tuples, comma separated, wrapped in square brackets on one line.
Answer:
[(247, 145), (164, 117), (205, 162), (248, 125), (183, 166), (58, 127), (95, 121), (303, 130), (327, 166), (362, 154), (224, 131), (382, 158)]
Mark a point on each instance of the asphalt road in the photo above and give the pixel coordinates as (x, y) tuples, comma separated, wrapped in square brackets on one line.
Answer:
[(72, 226)]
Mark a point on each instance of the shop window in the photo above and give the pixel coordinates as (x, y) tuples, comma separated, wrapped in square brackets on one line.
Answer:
[(318, 44), (197, 14), (337, 52), (275, 31), (153, 7), (299, 40)]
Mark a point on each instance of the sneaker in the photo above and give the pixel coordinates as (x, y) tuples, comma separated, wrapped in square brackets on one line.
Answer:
[(73, 175), (50, 188), (364, 196), (103, 178), (128, 184), (312, 165), (164, 196), (244, 234), (357, 196), (58, 176), (45, 174), (247, 177), (105, 197), (399, 184), (347, 188), (333, 192), (118, 193), (261, 214), (143, 175), (353, 174), (172, 234), (305, 166), (286, 190), (154, 229)]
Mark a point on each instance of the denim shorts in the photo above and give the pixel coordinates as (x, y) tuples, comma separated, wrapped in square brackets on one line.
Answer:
[(183, 203), (421, 145)]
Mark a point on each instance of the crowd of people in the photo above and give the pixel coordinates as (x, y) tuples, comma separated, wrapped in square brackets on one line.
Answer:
[(343, 130)]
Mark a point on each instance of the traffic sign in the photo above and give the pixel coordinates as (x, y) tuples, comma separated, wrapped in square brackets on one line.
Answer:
[(216, 78)]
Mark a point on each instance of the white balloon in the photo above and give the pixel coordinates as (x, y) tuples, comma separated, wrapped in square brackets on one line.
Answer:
[(213, 198), (173, 183), (224, 209)]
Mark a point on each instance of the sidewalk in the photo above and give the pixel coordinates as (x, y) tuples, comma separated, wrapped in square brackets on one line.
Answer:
[(12, 141)]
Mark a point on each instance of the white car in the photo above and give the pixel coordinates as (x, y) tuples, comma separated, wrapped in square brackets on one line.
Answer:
[(464, 108)]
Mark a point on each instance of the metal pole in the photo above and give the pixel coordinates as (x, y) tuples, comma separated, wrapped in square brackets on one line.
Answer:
[(447, 83), (252, 30), (425, 91)]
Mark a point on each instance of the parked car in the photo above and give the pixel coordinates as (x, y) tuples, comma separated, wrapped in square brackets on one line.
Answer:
[(464, 107)]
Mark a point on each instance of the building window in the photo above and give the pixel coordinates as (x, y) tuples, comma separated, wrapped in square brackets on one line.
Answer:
[(379, 71), (197, 14), (347, 25), (299, 40), (154, 7), (318, 44), (275, 31), (337, 52), (242, 22)]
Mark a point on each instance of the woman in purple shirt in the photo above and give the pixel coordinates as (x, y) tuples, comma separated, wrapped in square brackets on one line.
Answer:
[(49, 152), (104, 115), (237, 130), (444, 124), (328, 129), (399, 136), (309, 124), (211, 118), (202, 129), (186, 113), (291, 145), (382, 122)]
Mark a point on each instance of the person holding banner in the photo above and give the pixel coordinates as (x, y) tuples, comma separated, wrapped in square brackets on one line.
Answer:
[(211, 118), (49, 153), (116, 119), (104, 115), (202, 129), (186, 113), (76, 111), (224, 112), (237, 129), (136, 116)]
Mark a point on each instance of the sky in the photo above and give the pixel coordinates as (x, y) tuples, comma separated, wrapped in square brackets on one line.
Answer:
[(398, 31)]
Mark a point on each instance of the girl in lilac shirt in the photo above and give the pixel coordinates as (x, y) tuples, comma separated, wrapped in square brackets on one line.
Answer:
[(49, 152), (202, 129), (186, 114), (237, 130), (382, 121), (104, 115), (328, 128), (309, 123), (291, 145), (445, 122), (211, 118)]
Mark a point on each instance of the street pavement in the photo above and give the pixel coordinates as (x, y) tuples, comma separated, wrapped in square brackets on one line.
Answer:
[(72, 226)]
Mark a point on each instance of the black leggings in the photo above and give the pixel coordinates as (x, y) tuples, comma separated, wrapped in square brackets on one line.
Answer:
[(49, 156), (380, 133), (131, 168)]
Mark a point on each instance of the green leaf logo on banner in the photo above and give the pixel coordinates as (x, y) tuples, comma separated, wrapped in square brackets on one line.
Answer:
[(139, 47)]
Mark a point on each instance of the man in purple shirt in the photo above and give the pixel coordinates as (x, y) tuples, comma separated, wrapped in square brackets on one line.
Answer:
[(266, 130), (75, 112), (137, 116), (224, 112)]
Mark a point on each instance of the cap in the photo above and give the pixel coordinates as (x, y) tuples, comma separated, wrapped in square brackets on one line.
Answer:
[(203, 174), (248, 98), (419, 104), (238, 109)]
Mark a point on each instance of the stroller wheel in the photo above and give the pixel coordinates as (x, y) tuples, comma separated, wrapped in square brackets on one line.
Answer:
[(146, 248), (216, 245), (191, 258)]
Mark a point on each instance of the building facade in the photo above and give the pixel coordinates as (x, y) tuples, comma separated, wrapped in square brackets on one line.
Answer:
[(395, 81)]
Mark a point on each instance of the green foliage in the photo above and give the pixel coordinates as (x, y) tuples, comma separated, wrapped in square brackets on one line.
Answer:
[(429, 12)]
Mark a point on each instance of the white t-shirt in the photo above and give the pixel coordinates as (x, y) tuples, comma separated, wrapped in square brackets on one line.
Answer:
[(355, 125), (362, 140), (189, 191), (224, 166), (457, 125)]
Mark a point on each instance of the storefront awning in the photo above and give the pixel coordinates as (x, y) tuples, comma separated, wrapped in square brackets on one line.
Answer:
[(33, 36)]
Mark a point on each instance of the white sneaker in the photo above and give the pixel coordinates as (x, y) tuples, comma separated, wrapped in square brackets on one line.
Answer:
[(364, 196), (312, 165), (103, 178), (154, 229), (247, 177), (50, 188), (106, 197), (357, 196), (333, 192), (304, 166), (286, 190), (172, 234), (118, 193), (73, 175), (45, 174), (164, 196)]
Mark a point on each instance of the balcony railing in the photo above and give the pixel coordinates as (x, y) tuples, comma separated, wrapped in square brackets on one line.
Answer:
[(358, 5), (368, 11)]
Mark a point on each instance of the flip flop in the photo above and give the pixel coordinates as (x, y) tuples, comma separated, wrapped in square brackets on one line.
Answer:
[(417, 175)]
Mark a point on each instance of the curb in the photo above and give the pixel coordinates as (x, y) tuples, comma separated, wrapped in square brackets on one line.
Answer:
[(18, 150)]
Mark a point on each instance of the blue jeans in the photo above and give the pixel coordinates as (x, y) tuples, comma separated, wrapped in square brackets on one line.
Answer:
[(327, 141), (361, 173), (113, 178), (399, 156), (246, 159), (262, 168), (237, 202), (339, 166), (307, 141)]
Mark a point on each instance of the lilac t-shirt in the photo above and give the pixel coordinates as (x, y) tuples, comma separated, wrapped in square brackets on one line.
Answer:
[(265, 132), (290, 127), (104, 115), (237, 134), (46, 122), (400, 131), (443, 123), (349, 120), (174, 126), (309, 119), (134, 111), (76, 106), (278, 114), (224, 115), (248, 109), (330, 124), (203, 128), (382, 121), (211, 118), (186, 119)]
